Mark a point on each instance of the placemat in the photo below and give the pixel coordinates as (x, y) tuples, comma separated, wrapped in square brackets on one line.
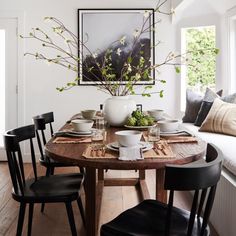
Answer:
[(181, 139), (175, 139), (72, 140), (164, 151)]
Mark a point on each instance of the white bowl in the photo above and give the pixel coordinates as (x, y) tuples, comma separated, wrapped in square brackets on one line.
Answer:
[(128, 137), (156, 114), (88, 114), (168, 125), (82, 125)]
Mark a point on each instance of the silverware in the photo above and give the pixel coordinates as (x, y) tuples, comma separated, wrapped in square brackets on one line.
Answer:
[(161, 147)]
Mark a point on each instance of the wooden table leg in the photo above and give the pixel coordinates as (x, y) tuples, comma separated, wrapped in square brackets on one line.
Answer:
[(143, 185), (90, 201), (161, 194)]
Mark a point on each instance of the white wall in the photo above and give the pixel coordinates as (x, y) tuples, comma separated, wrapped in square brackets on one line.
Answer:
[(40, 80)]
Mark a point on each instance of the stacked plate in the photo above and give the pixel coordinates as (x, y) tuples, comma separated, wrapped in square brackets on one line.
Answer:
[(73, 133), (145, 146), (176, 133)]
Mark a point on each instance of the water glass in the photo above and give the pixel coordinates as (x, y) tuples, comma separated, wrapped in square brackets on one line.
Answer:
[(101, 123), (153, 134), (98, 138)]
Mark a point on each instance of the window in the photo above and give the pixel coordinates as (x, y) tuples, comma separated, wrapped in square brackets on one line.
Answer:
[(2, 84), (201, 69)]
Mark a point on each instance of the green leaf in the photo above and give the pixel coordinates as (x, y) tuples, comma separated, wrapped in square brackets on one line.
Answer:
[(177, 69), (129, 60), (216, 51), (161, 93), (163, 81)]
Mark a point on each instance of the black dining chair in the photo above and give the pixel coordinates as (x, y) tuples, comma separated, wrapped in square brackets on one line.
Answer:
[(154, 218), (41, 122), (40, 189)]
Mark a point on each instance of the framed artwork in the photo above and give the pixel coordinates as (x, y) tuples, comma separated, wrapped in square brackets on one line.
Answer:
[(101, 30)]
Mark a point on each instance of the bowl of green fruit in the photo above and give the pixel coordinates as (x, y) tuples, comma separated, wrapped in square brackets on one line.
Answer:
[(138, 120)]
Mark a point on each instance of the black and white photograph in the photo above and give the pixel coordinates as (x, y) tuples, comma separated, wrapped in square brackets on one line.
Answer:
[(103, 31)]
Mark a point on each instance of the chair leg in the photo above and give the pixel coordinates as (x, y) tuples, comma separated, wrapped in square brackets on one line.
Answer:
[(31, 211), (81, 170), (42, 207), (48, 171), (81, 209), (52, 170), (71, 218), (21, 219)]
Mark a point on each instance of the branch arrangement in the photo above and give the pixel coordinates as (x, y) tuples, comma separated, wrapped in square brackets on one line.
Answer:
[(100, 69)]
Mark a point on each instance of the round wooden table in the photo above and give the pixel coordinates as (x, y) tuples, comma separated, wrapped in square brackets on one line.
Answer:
[(94, 169)]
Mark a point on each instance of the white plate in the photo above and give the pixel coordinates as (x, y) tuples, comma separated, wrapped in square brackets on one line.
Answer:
[(144, 145), (73, 133), (138, 127)]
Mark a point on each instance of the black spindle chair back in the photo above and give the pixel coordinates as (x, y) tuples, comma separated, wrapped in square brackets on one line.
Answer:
[(12, 140), (40, 122), (200, 177), (152, 217)]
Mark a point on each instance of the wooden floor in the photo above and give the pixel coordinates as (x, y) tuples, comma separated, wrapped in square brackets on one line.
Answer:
[(54, 220)]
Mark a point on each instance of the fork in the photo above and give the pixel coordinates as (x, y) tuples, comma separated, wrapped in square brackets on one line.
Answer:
[(161, 147)]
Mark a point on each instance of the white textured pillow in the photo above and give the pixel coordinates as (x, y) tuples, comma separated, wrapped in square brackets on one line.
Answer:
[(221, 118)]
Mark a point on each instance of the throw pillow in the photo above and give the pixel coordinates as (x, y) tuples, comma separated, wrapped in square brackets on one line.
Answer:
[(193, 104), (206, 106), (203, 111), (194, 101), (221, 118)]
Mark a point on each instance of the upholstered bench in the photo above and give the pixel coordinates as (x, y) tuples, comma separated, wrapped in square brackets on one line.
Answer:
[(224, 209)]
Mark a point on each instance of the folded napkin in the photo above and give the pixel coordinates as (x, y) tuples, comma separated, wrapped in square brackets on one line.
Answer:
[(72, 140), (130, 153)]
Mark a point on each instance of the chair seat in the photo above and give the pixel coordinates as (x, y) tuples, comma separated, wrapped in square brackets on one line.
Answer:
[(148, 219), (56, 188)]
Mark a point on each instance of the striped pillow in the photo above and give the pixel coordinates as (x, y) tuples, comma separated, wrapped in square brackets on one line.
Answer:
[(221, 118)]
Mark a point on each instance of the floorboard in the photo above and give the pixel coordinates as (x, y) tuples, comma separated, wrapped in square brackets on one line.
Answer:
[(54, 221)]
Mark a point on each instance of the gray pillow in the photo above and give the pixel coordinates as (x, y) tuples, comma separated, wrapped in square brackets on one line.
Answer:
[(230, 98), (194, 102), (210, 95)]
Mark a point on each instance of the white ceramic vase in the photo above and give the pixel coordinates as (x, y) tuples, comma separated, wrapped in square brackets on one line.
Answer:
[(117, 109)]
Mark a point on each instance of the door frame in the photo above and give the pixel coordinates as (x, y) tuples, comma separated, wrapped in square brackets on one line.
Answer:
[(19, 16)]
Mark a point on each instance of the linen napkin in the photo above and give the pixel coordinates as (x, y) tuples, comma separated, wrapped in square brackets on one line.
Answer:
[(130, 153)]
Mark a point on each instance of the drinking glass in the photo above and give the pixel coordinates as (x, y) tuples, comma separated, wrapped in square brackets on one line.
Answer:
[(98, 138), (101, 123), (153, 134)]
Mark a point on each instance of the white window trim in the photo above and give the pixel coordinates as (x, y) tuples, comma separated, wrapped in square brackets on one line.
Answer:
[(231, 47)]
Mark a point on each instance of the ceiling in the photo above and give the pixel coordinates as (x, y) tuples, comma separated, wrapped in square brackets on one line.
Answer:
[(218, 5)]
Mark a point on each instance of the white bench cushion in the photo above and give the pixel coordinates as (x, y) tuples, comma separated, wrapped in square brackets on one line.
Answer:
[(226, 143)]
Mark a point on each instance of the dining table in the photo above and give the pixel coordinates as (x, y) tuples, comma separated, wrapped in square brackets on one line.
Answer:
[(184, 152)]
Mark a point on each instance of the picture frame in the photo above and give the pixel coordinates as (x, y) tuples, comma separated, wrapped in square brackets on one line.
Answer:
[(100, 29)]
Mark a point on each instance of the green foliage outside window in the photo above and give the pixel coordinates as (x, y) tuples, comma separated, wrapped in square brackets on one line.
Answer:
[(202, 72)]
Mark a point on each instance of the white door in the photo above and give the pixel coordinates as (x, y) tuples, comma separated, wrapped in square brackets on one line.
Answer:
[(8, 78)]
